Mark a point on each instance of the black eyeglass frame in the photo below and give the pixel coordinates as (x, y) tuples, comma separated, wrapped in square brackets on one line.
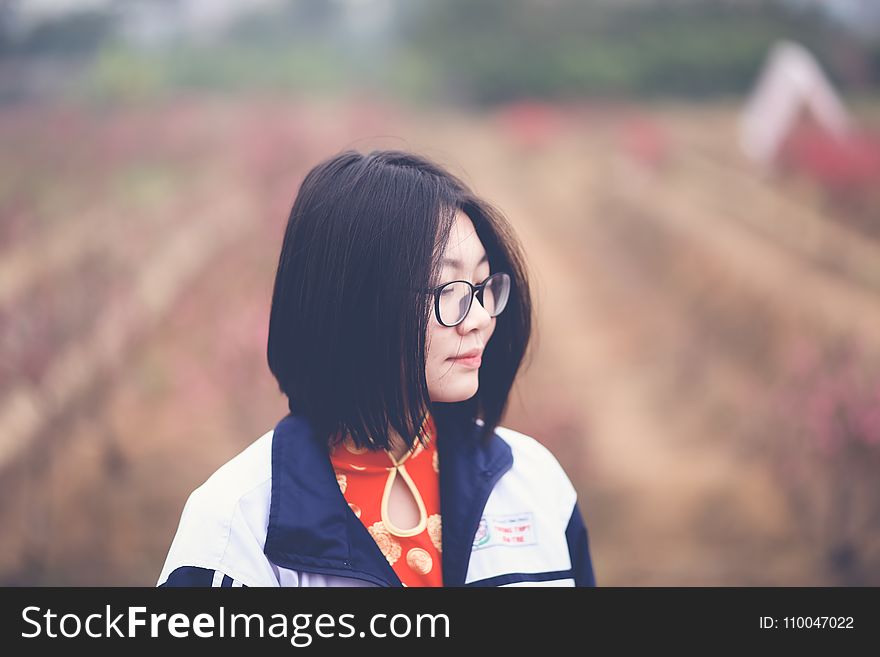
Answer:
[(475, 290)]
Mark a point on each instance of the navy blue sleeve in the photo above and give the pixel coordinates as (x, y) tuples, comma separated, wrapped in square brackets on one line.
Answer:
[(194, 576), (579, 549)]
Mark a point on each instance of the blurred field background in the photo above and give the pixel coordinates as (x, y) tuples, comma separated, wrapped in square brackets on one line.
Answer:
[(706, 364)]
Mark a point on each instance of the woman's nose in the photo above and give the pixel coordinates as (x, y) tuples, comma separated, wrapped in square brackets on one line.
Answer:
[(477, 316)]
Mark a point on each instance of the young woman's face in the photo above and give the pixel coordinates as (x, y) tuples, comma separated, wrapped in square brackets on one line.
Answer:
[(450, 379)]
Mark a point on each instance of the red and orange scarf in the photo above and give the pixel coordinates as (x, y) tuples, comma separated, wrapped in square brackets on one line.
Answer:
[(365, 478)]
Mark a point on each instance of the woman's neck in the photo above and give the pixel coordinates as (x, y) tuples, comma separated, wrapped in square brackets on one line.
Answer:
[(397, 447)]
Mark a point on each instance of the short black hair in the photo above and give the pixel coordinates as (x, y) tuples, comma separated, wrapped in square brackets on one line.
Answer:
[(349, 316)]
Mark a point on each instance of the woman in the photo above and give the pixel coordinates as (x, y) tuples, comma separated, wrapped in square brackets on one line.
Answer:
[(400, 316)]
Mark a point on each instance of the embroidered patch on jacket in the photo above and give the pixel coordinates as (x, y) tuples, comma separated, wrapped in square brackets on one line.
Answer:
[(512, 530)]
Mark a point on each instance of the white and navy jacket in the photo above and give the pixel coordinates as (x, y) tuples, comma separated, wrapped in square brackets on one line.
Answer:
[(274, 516)]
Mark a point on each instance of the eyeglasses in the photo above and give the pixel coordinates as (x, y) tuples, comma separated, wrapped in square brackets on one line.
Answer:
[(452, 300)]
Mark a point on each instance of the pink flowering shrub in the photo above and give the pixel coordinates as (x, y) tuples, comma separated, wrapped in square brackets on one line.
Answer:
[(826, 448)]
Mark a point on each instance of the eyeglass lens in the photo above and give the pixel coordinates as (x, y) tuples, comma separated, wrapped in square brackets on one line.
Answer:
[(455, 298)]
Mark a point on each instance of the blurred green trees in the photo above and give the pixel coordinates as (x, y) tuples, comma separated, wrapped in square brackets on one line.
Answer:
[(477, 52)]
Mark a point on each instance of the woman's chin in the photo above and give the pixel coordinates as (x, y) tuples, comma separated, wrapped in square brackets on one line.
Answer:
[(460, 391)]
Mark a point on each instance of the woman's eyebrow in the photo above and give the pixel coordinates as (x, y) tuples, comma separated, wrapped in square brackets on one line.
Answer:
[(457, 263)]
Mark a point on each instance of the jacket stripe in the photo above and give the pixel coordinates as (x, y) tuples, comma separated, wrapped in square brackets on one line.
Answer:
[(194, 576), (577, 537), (512, 578)]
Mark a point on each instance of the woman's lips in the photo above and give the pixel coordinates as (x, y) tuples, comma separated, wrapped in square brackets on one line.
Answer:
[(471, 361)]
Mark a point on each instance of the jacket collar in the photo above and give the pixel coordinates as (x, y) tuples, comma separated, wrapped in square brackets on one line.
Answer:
[(311, 528)]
